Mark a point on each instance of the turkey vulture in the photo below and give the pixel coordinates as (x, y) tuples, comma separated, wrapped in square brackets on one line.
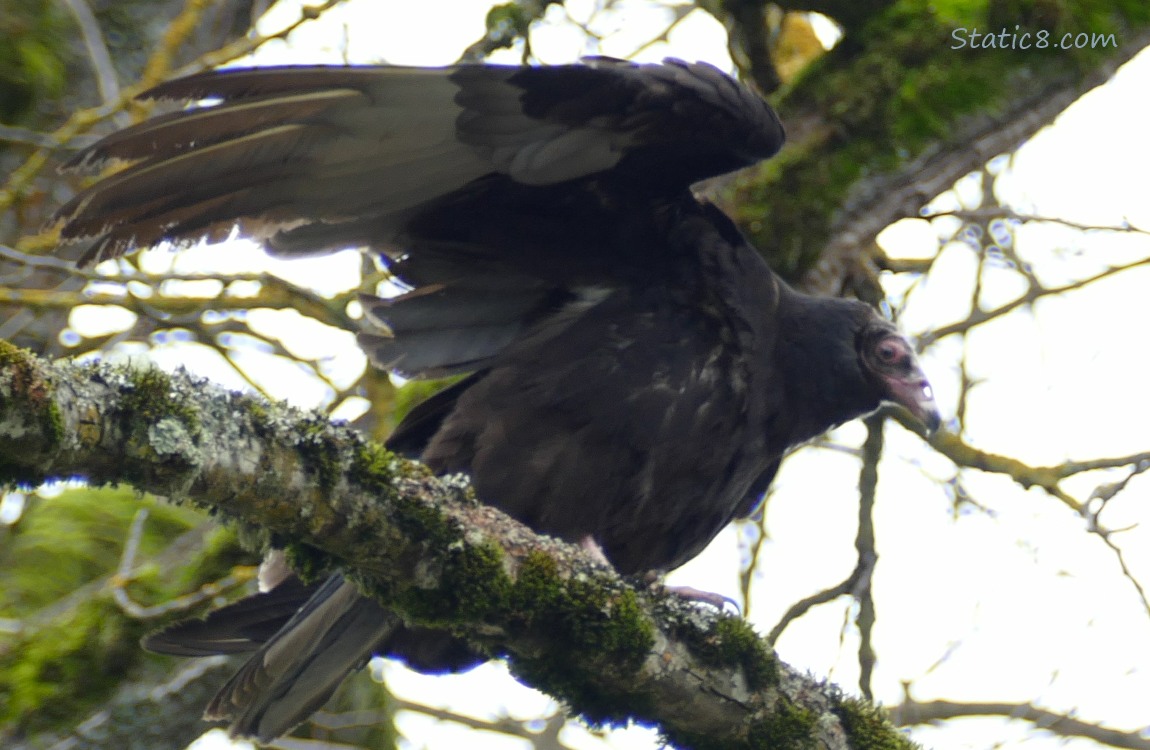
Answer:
[(635, 369)]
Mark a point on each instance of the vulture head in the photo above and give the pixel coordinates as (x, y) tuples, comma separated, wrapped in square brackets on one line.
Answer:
[(890, 362)]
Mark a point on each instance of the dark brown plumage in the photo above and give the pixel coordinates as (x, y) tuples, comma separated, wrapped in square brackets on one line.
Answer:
[(638, 370)]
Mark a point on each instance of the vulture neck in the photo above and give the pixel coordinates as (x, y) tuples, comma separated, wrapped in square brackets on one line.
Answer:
[(817, 351)]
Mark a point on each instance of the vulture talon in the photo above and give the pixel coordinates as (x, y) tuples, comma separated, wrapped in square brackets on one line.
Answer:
[(691, 594)]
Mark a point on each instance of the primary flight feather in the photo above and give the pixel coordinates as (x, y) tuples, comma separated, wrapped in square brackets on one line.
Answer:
[(637, 371)]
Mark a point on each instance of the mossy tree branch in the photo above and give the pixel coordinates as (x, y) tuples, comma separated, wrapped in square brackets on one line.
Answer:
[(424, 546), (895, 114)]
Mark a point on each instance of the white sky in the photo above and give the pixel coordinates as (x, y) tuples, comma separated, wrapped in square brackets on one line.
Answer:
[(1014, 604)]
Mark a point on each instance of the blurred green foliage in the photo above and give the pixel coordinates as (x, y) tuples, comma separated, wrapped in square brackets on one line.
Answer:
[(65, 647), (63, 542), (34, 37)]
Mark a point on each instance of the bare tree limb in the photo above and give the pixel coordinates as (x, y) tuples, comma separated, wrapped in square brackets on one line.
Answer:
[(1033, 294), (913, 712), (1047, 478)]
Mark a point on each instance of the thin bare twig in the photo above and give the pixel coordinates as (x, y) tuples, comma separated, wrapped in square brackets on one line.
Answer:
[(849, 585), (991, 212), (98, 55), (867, 551), (546, 738), (1034, 293), (126, 571), (912, 712)]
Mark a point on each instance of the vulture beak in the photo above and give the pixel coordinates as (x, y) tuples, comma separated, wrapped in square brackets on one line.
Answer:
[(913, 391)]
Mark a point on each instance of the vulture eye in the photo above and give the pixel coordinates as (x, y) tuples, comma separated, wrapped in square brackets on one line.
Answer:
[(888, 352)]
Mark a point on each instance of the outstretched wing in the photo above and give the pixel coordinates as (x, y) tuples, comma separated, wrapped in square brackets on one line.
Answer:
[(313, 159)]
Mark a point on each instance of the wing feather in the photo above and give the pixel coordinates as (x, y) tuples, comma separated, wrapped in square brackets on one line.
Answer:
[(359, 150)]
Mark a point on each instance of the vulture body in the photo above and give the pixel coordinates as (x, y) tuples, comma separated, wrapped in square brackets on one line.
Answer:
[(637, 370)]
